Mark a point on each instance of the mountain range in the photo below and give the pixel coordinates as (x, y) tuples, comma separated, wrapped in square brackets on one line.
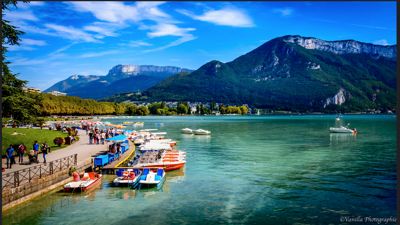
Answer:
[(286, 73), (120, 79), (293, 73)]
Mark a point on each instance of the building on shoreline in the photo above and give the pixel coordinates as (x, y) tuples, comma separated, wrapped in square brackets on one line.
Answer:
[(31, 90), (57, 93)]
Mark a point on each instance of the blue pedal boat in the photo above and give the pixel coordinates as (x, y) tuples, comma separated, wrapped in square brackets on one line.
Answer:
[(152, 177)]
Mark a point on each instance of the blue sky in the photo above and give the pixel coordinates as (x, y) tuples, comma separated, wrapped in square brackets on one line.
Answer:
[(67, 38)]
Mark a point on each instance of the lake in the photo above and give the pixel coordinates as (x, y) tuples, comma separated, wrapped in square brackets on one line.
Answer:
[(251, 170)]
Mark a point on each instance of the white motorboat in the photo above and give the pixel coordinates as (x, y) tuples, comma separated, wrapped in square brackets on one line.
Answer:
[(187, 131), (201, 132), (341, 129)]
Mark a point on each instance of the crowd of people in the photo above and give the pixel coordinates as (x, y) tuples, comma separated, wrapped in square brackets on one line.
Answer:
[(19, 151), (97, 136)]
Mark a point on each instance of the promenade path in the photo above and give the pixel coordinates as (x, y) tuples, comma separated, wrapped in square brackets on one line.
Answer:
[(82, 147)]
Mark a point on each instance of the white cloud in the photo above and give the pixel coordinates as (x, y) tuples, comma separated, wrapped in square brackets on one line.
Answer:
[(26, 45), (227, 17), (23, 5), (27, 41), (30, 62), (138, 44), (62, 49), (15, 16), (284, 11), (13, 48), (174, 43), (165, 29), (71, 33), (102, 30), (381, 42), (108, 11), (98, 54)]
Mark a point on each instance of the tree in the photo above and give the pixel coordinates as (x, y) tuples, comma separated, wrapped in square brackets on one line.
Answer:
[(244, 109), (182, 108), (16, 103), (142, 111)]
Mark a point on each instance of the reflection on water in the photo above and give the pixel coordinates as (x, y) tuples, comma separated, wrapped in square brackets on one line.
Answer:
[(338, 138), (251, 170)]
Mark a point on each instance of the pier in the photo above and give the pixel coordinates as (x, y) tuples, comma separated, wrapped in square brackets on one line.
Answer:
[(110, 168)]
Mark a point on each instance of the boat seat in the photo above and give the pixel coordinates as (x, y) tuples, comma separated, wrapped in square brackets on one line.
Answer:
[(160, 172), (85, 176)]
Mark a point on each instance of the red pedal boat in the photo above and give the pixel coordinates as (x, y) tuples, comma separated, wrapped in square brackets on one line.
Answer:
[(83, 183)]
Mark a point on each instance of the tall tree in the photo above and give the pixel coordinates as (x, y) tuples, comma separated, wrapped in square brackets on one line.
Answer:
[(22, 106)]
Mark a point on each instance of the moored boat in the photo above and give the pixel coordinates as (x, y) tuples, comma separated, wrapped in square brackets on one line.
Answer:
[(201, 132), (83, 183), (187, 131), (152, 178), (342, 129), (127, 177)]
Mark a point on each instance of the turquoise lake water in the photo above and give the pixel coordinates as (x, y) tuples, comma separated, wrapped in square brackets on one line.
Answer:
[(251, 170)]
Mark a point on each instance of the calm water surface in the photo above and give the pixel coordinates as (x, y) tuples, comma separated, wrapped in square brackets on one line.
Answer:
[(251, 170)]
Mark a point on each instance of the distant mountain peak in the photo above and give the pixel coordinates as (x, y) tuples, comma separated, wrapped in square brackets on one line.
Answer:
[(125, 77), (342, 46), (74, 77)]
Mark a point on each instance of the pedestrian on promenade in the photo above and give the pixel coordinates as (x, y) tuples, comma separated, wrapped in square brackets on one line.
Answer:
[(98, 137), (90, 137), (21, 152), (36, 148), (103, 137), (44, 151), (9, 154)]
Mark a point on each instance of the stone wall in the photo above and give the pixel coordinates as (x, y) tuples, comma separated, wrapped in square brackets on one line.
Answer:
[(37, 187)]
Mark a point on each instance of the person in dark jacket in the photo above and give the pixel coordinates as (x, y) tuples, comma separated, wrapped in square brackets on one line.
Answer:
[(45, 149)]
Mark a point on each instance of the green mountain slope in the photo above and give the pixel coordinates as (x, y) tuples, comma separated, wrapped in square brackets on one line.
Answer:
[(284, 75)]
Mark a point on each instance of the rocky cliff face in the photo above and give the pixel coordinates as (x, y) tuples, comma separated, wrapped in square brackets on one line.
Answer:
[(120, 78), (128, 70), (338, 99), (343, 47)]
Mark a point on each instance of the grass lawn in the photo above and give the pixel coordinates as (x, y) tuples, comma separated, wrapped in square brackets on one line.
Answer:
[(30, 135)]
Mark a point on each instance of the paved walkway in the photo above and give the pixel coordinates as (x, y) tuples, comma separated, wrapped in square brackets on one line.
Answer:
[(82, 147)]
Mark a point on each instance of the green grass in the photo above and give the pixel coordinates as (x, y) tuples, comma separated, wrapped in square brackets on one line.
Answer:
[(30, 136)]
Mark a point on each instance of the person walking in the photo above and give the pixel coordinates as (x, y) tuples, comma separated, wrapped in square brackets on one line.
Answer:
[(103, 137), (44, 151), (97, 137), (21, 152), (9, 154), (90, 137)]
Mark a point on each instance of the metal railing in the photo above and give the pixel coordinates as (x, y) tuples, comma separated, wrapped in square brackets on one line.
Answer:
[(27, 175)]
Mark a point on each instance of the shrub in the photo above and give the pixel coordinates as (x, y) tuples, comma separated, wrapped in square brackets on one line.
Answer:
[(58, 141), (71, 170)]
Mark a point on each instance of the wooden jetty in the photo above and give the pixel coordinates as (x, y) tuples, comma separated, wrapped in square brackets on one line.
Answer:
[(110, 168)]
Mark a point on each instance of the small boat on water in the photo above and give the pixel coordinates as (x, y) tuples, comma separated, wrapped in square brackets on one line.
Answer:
[(152, 178), (138, 124), (201, 132), (187, 131), (83, 183), (342, 129), (128, 177)]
